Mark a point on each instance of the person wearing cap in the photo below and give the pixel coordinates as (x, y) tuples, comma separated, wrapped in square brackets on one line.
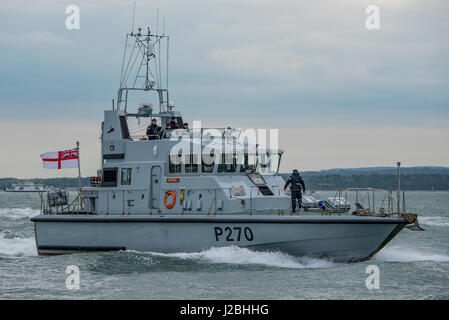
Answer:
[(173, 124), (153, 130), (297, 187), (185, 126)]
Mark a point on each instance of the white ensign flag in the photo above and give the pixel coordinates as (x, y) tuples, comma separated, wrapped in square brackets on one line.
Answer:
[(60, 159)]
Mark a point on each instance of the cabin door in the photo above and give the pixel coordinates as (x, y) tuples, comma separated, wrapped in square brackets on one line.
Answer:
[(155, 187)]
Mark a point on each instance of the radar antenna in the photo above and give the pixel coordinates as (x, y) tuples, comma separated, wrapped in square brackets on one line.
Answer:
[(142, 67)]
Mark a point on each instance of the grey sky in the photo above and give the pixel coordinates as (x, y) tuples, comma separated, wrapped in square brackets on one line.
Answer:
[(309, 68)]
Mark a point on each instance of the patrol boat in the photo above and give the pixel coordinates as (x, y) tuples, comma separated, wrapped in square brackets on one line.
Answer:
[(149, 196)]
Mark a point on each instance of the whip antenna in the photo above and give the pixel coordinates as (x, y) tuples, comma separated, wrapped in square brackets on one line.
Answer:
[(134, 14)]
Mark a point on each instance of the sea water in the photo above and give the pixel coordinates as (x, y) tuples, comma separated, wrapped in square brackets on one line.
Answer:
[(414, 265)]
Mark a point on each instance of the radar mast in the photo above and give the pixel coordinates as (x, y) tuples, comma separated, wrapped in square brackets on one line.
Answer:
[(142, 68)]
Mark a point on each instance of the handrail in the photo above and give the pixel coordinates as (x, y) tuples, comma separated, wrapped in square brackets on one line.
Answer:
[(47, 209), (224, 193), (370, 189), (217, 188), (388, 196), (114, 188)]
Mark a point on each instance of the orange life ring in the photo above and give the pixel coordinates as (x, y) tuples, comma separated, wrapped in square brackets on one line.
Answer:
[(170, 205)]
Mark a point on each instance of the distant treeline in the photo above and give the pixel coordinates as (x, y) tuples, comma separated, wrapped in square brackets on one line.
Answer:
[(411, 179), (382, 171), (50, 182), (387, 182)]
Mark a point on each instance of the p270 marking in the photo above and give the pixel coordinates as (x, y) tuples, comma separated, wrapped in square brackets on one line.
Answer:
[(233, 234)]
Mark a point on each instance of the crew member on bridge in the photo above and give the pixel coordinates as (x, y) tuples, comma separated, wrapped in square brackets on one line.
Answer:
[(296, 191), (153, 130), (173, 124)]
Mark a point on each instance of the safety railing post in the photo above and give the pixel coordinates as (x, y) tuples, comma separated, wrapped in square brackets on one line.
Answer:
[(40, 195), (250, 202), (403, 202), (369, 202), (215, 200), (346, 198)]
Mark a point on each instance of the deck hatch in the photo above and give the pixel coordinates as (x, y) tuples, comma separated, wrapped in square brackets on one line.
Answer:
[(265, 191)]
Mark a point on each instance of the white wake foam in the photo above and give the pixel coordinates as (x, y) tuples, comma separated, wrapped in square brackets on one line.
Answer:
[(400, 254), (243, 256), (17, 246), (434, 221), (18, 213)]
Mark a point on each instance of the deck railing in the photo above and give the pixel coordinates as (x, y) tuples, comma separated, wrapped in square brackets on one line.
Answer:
[(367, 201), (72, 205), (387, 199)]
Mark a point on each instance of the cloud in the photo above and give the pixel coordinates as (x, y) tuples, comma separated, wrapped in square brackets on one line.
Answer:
[(34, 38), (258, 59), (289, 63), (335, 146)]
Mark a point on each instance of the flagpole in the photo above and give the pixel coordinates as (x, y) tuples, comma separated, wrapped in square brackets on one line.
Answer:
[(79, 177)]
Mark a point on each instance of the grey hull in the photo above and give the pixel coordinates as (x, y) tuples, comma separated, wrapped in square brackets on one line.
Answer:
[(342, 238)]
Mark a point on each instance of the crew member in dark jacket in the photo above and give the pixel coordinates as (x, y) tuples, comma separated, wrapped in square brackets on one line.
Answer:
[(296, 191), (173, 124), (153, 130)]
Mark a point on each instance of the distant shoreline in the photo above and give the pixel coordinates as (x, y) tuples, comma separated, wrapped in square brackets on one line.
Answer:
[(316, 181), (423, 178)]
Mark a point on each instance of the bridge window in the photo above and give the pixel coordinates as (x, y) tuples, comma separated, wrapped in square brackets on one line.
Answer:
[(126, 176), (191, 163), (124, 127), (268, 163), (228, 163), (174, 163), (207, 163), (249, 164), (109, 177)]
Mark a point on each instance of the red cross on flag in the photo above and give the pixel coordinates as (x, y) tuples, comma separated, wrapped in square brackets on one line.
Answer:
[(60, 159)]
